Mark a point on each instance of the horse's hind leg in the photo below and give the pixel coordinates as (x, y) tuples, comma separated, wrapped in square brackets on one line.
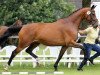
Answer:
[(63, 49), (30, 49), (14, 53)]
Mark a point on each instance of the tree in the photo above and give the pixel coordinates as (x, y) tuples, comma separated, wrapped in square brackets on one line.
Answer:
[(34, 10), (85, 3)]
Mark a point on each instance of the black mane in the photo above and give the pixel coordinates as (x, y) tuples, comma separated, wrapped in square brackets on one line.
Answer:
[(75, 11)]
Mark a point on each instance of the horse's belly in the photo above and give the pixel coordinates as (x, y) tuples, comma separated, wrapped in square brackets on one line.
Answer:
[(52, 42)]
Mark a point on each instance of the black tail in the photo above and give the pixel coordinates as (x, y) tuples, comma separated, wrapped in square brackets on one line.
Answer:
[(13, 30)]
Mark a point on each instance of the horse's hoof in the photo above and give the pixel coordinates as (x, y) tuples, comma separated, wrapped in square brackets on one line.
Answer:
[(55, 67), (37, 62), (6, 67)]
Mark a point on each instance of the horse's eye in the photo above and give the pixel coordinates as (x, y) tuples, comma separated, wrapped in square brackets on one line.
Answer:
[(93, 13)]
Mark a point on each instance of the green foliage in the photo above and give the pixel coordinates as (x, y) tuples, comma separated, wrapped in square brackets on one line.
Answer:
[(85, 3), (34, 10)]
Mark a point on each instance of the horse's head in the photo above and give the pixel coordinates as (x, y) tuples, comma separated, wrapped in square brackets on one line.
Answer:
[(90, 16)]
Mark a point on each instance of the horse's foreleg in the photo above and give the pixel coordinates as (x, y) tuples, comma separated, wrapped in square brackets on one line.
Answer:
[(63, 49), (76, 45), (30, 49)]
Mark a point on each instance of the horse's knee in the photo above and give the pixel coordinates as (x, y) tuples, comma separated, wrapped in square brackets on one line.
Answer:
[(16, 51), (32, 54), (28, 51)]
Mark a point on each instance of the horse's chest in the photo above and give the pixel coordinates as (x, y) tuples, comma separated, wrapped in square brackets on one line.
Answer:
[(70, 33)]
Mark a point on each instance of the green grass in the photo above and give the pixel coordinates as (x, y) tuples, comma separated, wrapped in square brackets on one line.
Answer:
[(88, 70)]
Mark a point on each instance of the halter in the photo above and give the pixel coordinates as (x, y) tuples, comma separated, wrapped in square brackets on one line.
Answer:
[(92, 21)]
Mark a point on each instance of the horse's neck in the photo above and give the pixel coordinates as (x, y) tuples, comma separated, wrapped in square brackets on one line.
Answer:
[(76, 17)]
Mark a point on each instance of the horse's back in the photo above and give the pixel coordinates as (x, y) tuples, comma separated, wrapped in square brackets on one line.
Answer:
[(37, 27)]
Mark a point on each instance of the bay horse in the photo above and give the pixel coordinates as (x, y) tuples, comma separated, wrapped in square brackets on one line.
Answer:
[(63, 33)]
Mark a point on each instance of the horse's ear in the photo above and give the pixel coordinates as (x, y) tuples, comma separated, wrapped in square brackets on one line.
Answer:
[(93, 6)]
